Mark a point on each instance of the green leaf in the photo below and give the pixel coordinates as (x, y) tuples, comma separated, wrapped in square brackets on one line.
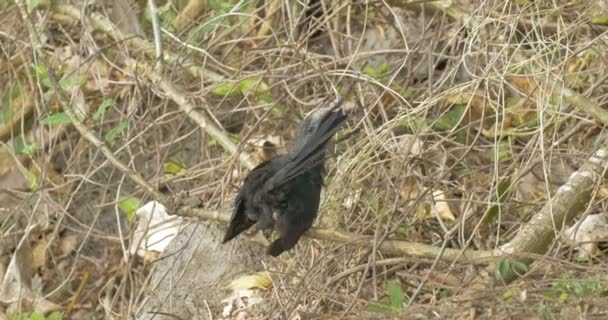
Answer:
[(395, 294), (69, 82), (407, 92), (226, 89), (509, 293), (219, 14), (242, 87), (173, 166), (211, 23), (56, 119), (166, 13), (36, 316), (6, 114), (501, 193), (66, 83), (377, 72), (501, 151), (519, 266), (371, 14), (32, 5), (32, 179), (111, 136), (42, 73), (215, 5), (23, 148), (601, 20), (129, 205), (102, 108), (56, 315), (451, 119), (502, 269), (513, 101), (253, 86), (383, 308), (545, 313)]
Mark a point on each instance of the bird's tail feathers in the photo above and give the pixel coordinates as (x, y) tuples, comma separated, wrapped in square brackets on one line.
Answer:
[(239, 223), (309, 151)]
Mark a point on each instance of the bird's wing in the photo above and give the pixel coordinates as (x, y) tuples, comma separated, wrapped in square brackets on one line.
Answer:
[(248, 201)]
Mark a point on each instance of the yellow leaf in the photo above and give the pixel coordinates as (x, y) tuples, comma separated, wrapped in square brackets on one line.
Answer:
[(173, 166), (260, 280)]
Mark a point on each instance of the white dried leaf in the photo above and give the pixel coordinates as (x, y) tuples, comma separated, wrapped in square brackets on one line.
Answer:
[(441, 207), (237, 303), (351, 200), (405, 145), (155, 229)]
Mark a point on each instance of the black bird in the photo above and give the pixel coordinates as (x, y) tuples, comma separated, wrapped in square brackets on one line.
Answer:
[(284, 192)]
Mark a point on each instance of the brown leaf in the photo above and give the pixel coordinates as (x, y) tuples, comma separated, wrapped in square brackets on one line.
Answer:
[(16, 283), (527, 85), (38, 252), (410, 190)]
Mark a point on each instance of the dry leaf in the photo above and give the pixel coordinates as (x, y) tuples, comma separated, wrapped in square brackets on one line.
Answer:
[(238, 303), (409, 189), (98, 77), (259, 280), (352, 199), (155, 229), (69, 243), (404, 145), (438, 208), (527, 85), (441, 206), (45, 306), (16, 283), (38, 252)]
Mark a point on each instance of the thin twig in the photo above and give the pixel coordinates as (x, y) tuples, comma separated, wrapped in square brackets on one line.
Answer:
[(202, 120)]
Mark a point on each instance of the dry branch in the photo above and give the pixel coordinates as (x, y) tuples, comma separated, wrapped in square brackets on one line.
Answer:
[(570, 199), (389, 247), (587, 106)]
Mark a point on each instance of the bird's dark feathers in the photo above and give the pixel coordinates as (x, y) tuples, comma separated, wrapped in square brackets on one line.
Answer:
[(284, 192)]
